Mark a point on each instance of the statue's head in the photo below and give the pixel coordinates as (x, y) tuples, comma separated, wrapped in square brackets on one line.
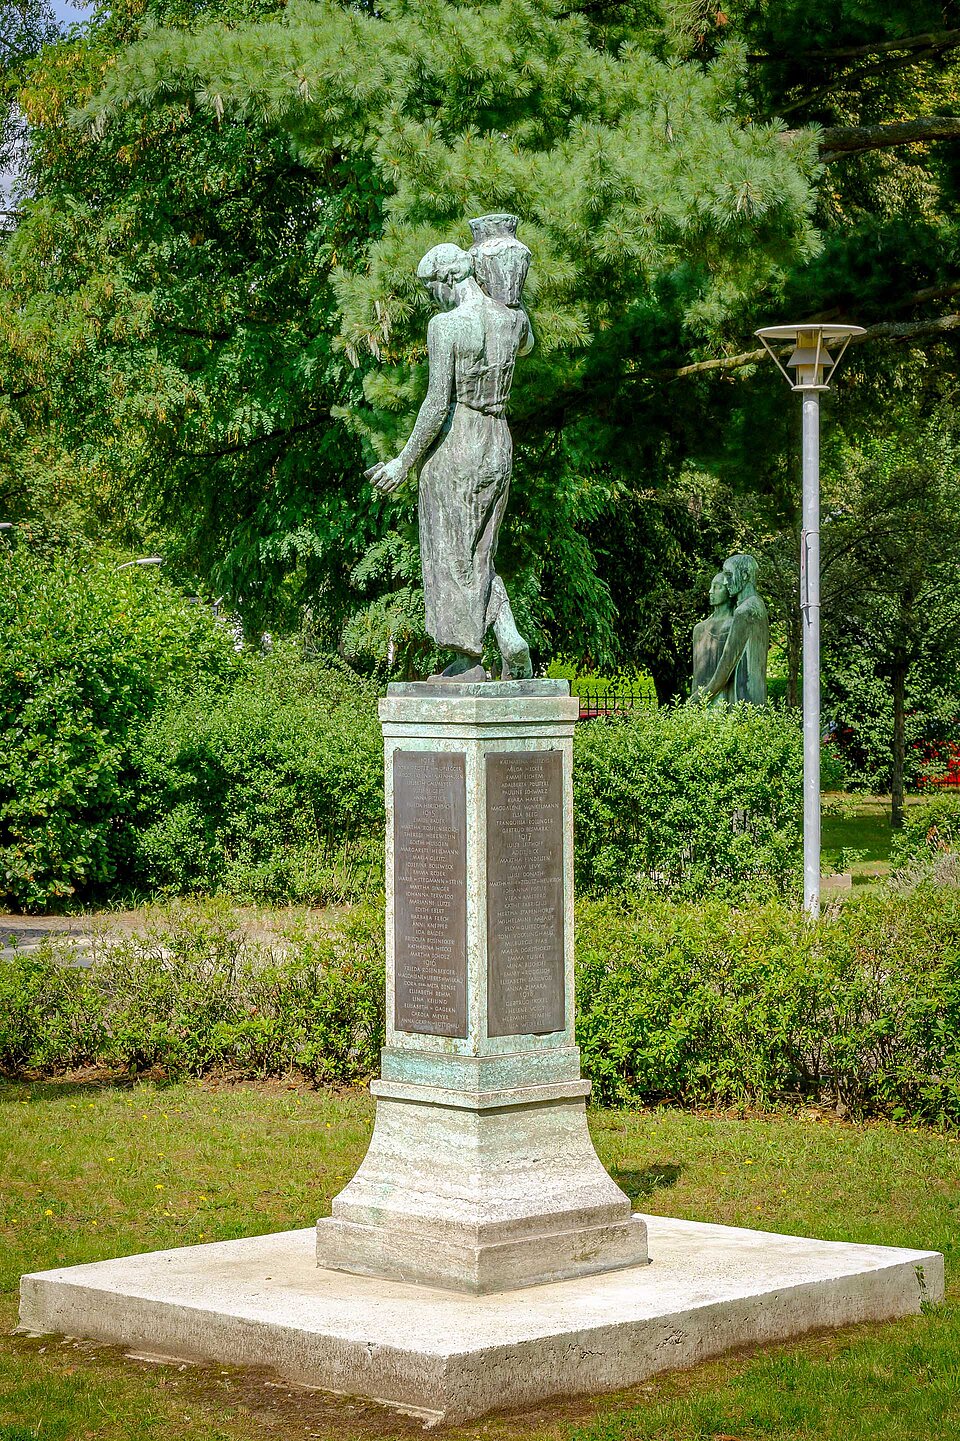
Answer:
[(720, 588), (442, 269), (741, 571)]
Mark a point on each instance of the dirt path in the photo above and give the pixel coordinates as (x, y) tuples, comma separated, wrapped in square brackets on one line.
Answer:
[(22, 934)]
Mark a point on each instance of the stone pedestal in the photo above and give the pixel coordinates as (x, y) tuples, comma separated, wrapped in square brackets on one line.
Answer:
[(481, 1175), (451, 1356)]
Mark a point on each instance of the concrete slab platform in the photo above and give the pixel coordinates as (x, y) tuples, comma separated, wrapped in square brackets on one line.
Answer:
[(264, 1302)]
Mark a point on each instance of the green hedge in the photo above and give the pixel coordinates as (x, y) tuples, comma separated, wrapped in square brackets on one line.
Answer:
[(193, 996), (709, 1004), (930, 833), (695, 1004), (87, 651), (143, 755), (271, 790), (690, 802)]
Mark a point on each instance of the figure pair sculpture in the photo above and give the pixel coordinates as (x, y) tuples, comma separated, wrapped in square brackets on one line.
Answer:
[(461, 443), (730, 647)]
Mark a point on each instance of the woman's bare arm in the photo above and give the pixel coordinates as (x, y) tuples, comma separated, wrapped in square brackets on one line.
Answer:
[(388, 475)]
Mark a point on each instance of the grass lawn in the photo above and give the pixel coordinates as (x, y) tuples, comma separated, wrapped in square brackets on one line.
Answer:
[(89, 1171), (858, 823)]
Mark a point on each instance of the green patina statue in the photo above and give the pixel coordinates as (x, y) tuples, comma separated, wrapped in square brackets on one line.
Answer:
[(461, 443), (709, 639), (730, 648)]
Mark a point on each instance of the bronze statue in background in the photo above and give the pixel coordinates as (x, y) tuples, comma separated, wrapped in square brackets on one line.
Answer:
[(740, 627), (709, 639)]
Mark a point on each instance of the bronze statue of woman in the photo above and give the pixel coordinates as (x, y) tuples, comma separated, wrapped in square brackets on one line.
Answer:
[(461, 443), (709, 638)]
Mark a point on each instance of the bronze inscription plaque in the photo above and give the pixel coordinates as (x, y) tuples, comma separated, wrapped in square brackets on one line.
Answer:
[(525, 980), (430, 892)]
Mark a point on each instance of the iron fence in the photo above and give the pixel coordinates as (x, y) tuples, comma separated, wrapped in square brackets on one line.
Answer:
[(612, 702)]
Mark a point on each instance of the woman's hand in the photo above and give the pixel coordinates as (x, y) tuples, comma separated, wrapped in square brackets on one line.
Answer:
[(387, 475)]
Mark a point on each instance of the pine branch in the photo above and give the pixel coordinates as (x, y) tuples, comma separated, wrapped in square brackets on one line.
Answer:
[(884, 330), (944, 291), (196, 333), (241, 446), (591, 7), (212, 335), (930, 292), (838, 141), (850, 79), (932, 40)]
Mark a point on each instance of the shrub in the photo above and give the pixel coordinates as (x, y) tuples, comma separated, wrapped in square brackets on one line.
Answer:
[(930, 830), (692, 1004), (859, 704), (689, 801), (86, 652), (51, 1016), (711, 1004), (269, 790), (194, 995)]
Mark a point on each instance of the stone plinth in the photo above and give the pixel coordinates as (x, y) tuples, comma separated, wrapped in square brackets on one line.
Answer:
[(481, 1175), (262, 1302), (481, 1257)]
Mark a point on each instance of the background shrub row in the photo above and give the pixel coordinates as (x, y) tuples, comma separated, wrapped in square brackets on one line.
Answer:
[(697, 1004), (193, 995), (145, 756)]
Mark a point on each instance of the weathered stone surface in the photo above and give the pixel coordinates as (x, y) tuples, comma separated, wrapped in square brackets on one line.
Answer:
[(511, 690), (260, 1302), (481, 1173), (481, 1192)]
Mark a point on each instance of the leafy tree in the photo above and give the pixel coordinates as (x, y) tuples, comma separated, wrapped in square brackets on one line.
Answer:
[(28, 26), (168, 317), (220, 349), (209, 311), (892, 552), (87, 651), (880, 83)]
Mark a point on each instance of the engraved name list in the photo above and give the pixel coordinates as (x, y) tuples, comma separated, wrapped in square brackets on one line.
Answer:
[(430, 893), (525, 960)]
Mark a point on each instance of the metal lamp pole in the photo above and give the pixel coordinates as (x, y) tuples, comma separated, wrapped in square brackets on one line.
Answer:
[(813, 368)]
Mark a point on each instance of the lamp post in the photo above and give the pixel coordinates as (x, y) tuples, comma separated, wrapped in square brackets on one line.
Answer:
[(813, 368)]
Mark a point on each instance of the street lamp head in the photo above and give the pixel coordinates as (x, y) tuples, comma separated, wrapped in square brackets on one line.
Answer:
[(812, 363), (142, 560)]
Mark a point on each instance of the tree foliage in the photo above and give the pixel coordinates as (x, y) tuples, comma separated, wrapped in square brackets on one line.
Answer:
[(87, 650), (892, 552), (28, 25), (231, 277), (208, 317)]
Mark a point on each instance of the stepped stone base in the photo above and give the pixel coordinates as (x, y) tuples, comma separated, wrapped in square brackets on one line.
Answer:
[(450, 1356), (481, 1192)]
